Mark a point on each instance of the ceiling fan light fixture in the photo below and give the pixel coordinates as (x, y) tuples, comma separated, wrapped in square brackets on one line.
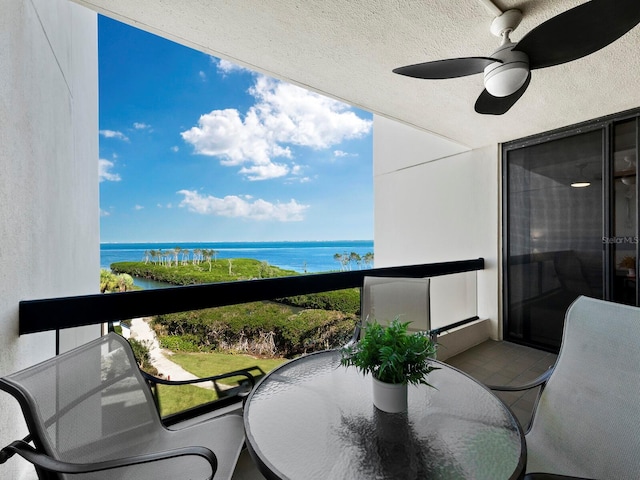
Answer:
[(504, 79)]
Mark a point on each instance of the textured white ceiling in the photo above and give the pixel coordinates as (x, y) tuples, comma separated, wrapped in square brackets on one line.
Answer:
[(347, 48)]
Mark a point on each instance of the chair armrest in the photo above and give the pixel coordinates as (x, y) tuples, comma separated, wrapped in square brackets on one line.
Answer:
[(48, 463), (551, 476), (540, 381), (244, 372), (355, 336)]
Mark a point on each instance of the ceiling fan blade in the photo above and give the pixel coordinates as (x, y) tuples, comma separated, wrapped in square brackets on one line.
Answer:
[(487, 104), (450, 68), (579, 32)]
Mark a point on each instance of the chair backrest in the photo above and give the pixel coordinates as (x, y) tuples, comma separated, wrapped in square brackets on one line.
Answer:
[(87, 402), (587, 419), (385, 298)]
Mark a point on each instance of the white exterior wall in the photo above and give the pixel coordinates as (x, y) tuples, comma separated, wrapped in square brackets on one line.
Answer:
[(49, 210), (437, 201)]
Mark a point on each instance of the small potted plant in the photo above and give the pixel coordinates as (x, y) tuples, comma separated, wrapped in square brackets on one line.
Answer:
[(629, 262), (394, 359)]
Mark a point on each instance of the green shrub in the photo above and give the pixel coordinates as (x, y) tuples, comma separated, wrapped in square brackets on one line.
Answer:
[(190, 274), (143, 357), (347, 301), (263, 328), (182, 343)]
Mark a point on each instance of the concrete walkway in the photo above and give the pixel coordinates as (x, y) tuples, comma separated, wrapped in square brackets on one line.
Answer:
[(141, 331)]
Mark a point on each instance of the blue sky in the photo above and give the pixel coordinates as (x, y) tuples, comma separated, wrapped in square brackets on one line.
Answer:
[(193, 148)]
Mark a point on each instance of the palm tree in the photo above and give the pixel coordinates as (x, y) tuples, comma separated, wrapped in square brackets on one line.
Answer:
[(176, 254), (368, 259), (355, 258), (185, 256), (169, 258), (207, 254), (125, 282), (338, 258), (345, 260), (145, 259), (196, 255)]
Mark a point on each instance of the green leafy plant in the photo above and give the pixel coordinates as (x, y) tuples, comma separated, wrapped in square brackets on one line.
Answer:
[(392, 355)]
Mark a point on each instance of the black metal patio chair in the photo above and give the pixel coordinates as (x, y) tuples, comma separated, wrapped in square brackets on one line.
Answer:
[(91, 415), (587, 416)]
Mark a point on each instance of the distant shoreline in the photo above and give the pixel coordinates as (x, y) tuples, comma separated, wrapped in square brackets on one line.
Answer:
[(303, 257), (221, 242)]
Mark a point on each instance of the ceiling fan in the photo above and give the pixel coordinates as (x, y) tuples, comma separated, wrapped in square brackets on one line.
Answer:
[(571, 35)]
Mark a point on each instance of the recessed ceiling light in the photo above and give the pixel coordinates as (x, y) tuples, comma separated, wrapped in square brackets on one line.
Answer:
[(580, 184)]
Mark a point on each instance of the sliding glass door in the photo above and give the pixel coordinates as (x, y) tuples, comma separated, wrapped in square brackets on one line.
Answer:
[(623, 242), (570, 226)]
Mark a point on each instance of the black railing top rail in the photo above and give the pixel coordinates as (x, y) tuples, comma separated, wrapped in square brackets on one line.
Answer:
[(57, 313)]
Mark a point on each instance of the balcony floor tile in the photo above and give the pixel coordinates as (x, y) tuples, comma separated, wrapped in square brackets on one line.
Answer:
[(505, 363)]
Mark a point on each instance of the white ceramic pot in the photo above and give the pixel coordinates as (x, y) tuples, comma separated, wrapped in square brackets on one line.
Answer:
[(389, 397)]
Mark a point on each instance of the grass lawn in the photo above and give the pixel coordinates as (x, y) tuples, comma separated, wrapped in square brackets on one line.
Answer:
[(207, 364), (177, 398)]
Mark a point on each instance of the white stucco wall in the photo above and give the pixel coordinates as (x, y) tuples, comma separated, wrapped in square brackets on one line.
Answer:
[(437, 201), (49, 211)]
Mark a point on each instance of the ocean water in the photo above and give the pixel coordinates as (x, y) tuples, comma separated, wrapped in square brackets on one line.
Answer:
[(309, 257)]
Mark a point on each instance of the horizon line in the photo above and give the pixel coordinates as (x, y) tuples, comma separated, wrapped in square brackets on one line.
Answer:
[(237, 241)]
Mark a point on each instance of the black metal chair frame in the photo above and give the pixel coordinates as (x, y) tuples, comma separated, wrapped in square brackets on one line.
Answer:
[(31, 447)]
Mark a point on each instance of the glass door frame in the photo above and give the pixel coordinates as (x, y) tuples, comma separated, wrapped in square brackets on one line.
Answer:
[(606, 125)]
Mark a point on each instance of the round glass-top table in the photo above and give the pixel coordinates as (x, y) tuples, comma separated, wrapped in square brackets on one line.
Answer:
[(314, 419)]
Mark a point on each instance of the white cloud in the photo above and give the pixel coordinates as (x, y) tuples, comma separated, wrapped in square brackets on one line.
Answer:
[(283, 115), (226, 67), (175, 148), (202, 75), (305, 118), (105, 173), (242, 207), (138, 207), (265, 172), (141, 126), (114, 134), (297, 174), (224, 134), (104, 213)]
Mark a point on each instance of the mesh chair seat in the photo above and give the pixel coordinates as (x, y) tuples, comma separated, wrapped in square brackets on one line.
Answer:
[(585, 421), (92, 404)]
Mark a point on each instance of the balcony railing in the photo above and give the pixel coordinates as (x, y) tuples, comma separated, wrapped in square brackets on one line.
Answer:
[(58, 313)]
